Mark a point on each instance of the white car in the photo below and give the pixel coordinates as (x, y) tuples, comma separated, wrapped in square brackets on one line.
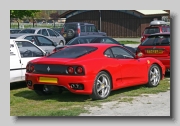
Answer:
[(21, 52), (40, 40), (49, 33)]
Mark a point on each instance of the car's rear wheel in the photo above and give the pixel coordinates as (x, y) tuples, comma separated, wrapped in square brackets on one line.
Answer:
[(154, 76), (102, 86)]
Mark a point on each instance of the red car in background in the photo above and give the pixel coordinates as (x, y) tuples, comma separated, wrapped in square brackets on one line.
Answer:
[(155, 27), (92, 69), (157, 46)]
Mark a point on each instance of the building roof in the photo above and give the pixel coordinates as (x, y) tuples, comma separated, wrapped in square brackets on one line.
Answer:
[(152, 12), (139, 13)]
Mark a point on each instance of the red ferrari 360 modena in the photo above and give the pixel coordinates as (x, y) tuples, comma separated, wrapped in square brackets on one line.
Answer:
[(92, 69)]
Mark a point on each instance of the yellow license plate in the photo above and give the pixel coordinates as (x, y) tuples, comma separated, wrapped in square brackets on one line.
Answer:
[(64, 35), (48, 80), (154, 51)]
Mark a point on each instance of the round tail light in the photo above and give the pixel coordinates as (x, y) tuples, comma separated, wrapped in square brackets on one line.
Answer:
[(31, 69), (70, 70), (79, 70)]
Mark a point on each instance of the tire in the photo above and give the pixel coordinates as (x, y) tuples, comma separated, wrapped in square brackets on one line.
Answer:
[(61, 43), (102, 87), (70, 33), (154, 76)]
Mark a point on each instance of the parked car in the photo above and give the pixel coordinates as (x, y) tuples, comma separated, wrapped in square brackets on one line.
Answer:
[(157, 46), (71, 30), (92, 69), (42, 41), (14, 31), (49, 33), (58, 30), (21, 52), (93, 39), (155, 27)]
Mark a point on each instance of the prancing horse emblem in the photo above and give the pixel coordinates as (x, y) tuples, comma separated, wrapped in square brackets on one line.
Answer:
[(48, 69)]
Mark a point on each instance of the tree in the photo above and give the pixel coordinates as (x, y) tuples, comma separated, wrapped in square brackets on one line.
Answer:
[(54, 16), (20, 14)]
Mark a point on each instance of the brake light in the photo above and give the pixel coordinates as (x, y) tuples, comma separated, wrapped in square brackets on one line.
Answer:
[(70, 70), (75, 70), (79, 70), (78, 31), (29, 68), (62, 30)]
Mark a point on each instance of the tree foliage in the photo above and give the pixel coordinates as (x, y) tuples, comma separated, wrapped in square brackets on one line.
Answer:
[(20, 14)]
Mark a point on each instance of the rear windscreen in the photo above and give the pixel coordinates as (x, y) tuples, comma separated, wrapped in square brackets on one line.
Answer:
[(70, 26), (73, 52), (152, 30), (157, 40)]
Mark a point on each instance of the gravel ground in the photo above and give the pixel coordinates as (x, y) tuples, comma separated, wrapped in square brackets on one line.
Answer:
[(151, 105)]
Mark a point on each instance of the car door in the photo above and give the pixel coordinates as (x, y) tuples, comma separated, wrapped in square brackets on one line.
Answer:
[(45, 33), (132, 71), (32, 39), (28, 52), (15, 63), (53, 36), (44, 43)]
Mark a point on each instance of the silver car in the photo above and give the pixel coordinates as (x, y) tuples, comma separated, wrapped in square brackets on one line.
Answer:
[(50, 33), (43, 42)]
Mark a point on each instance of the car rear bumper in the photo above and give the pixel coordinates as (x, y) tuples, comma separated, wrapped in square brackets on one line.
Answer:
[(63, 81)]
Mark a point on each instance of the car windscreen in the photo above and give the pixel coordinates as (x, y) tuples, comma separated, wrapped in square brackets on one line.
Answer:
[(151, 30), (157, 40), (73, 52), (27, 31), (70, 26)]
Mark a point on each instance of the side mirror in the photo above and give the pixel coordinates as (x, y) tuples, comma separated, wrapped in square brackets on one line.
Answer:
[(139, 55), (47, 53), (55, 44)]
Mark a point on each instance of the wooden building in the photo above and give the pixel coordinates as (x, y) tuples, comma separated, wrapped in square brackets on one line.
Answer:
[(116, 23)]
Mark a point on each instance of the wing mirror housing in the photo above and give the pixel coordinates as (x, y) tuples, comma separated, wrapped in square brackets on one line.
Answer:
[(139, 55), (47, 53), (55, 44)]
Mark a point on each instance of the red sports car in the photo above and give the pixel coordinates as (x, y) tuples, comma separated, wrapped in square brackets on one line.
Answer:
[(157, 46), (92, 69)]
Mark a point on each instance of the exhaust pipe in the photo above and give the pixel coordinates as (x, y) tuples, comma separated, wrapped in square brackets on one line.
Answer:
[(72, 86)]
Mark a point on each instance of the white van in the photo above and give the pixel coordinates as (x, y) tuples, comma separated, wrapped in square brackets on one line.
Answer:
[(21, 52)]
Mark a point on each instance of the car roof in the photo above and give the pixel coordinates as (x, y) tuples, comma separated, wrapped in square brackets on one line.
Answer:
[(97, 45), (23, 34), (89, 36), (37, 28)]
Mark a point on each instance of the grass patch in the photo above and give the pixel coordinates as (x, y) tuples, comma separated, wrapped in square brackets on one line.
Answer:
[(129, 42), (25, 102)]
